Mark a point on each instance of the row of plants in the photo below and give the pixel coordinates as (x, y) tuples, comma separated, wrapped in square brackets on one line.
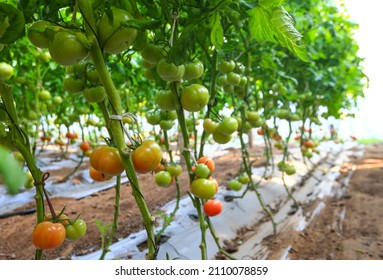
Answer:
[(195, 72)]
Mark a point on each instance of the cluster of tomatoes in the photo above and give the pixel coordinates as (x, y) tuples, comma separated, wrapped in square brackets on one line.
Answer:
[(52, 232), (204, 186), (223, 130), (105, 161), (236, 184), (164, 173), (286, 167)]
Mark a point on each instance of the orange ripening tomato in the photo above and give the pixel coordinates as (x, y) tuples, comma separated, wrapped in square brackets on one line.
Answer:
[(146, 157), (85, 146), (98, 176), (208, 162), (107, 160), (48, 235)]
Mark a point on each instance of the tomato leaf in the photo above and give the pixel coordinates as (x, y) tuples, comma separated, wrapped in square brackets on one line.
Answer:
[(12, 23), (216, 35), (271, 22), (13, 175)]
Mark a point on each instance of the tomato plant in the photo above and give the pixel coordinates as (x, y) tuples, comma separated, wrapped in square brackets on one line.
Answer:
[(48, 235), (107, 160)]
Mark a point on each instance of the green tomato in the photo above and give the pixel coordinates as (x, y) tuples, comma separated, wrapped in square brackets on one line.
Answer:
[(194, 97), (153, 53), (203, 188), (153, 117), (290, 170), (6, 71), (169, 71), (226, 66), (221, 138), (174, 169), (222, 80), (166, 124), (94, 94), (202, 170), (163, 178), (45, 95), (66, 48), (228, 126), (233, 78), (75, 230), (37, 33), (166, 101), (73, 84), (235, 185), (193, 70), (113, 36), (209, 125), (244, 178), (91, 74)]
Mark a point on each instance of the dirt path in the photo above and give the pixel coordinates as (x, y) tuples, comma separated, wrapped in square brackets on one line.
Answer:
[(348, 228)]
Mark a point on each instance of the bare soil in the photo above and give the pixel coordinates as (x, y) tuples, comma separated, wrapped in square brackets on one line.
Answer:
[(358, 236)]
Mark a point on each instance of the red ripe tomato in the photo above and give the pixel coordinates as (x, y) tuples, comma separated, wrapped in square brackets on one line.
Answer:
[(208, 162), (147, 156), (97, 175), (107, 160), (48, 235), (212, 207)]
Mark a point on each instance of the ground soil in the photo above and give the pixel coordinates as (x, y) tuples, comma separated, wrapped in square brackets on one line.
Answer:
[(358, 236)]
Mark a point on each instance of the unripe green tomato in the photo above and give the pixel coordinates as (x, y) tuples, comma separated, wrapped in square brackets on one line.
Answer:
[(37, 33), (194, 97), (202, 170), (163, 178), (166, 101), (193, 70), (57, 100), (174, 169), (166, 124), (153, 53), (226, 66), (228, 126), (235, 185), (221, 138), (233, 78), (44, 95), (244, 178), (94, 94), (6, 71), (113, 36), (72, 84), (153, 117), (169, 71), (222, 80), (75, 230), (203, 188), (66, 48), (209, 125)]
